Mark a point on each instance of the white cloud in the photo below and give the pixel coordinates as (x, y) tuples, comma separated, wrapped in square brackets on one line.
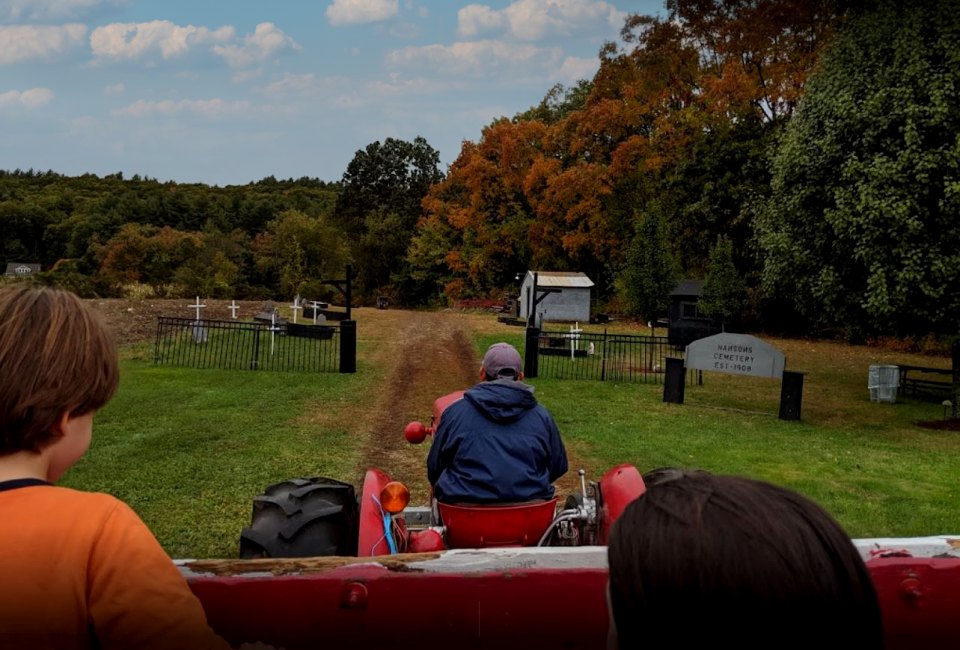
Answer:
[(292, 84), (134, 40), (475, 19), (266, 41), (31, 98), (351, 12), (115, 89), (479, 58), (209, 108), (532, 20), (574, 68), (41, 10), (29, 42)]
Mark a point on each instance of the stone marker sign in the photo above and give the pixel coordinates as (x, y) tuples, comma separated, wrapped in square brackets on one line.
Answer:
[(736, 354)]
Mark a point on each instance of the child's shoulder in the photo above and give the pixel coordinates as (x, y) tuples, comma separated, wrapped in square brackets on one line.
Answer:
[(68, 499)]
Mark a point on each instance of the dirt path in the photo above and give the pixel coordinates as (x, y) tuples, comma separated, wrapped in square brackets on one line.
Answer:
[(432, 355)]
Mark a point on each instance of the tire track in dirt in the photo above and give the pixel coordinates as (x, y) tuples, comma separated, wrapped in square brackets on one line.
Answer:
[(435, 357)]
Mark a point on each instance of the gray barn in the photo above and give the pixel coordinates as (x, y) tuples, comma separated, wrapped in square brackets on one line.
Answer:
[(568, 300)]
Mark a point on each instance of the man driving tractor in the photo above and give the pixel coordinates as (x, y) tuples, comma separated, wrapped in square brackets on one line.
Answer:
[(497, 444)]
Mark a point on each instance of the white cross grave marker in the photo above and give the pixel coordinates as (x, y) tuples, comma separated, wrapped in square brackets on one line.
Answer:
[(233, 309), (295, 307), (199, 331), (574, 336), (273, 329), (197, 306)]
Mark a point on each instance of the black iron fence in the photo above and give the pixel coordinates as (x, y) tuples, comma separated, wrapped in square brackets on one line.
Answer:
[(601, 356), (245, 345)]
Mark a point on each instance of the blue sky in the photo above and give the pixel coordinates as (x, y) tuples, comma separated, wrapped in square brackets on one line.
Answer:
[(230, 91)]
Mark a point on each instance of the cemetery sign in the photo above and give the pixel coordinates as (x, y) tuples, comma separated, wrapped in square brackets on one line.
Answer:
[(736, 354)]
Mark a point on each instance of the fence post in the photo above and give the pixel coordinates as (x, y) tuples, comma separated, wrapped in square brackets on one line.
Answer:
[(348, 346), (673, 385), (791, 395), (256, 348), (530, 352)]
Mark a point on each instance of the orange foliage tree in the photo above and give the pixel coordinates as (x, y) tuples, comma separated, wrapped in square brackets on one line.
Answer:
[(564, 185)]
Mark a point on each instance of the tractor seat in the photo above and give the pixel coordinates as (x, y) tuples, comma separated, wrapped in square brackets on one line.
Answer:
[(483, 526)]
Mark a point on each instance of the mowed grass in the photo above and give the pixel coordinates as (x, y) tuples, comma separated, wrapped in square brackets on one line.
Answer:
[(189, 449)]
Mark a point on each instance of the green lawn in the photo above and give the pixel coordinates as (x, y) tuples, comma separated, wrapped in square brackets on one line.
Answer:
[(189, 449)]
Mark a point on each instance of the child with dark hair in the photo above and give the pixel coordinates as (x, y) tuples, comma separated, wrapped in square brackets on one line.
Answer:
[(701, 560), (78, 569)]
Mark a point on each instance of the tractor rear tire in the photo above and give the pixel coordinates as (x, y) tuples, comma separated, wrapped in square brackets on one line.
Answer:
[(302, 517)]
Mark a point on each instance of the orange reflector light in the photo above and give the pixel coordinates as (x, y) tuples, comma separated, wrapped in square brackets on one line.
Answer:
[(394, 497)]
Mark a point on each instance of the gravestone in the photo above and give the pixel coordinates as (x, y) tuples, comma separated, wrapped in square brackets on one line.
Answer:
[(270, 314)]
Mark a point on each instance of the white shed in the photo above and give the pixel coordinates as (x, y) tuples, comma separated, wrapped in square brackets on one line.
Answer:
[(567, 300)]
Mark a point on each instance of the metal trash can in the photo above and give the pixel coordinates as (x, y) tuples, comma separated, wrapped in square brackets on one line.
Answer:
[(883, 383)]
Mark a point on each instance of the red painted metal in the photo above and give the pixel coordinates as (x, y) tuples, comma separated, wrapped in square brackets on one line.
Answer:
[(618, 487), (496, 525), (424, 541), (368, 605), (371, 539)]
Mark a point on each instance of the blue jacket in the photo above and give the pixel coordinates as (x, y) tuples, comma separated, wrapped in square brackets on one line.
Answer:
[(496, 445)]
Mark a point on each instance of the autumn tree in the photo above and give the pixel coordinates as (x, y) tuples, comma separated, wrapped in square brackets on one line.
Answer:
[(482, 212), (147, 255)]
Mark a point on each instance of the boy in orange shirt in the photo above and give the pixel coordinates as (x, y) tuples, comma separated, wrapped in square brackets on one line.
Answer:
[(77, 569)]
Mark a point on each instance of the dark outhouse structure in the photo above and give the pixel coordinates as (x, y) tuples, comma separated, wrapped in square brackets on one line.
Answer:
[(685, 323)]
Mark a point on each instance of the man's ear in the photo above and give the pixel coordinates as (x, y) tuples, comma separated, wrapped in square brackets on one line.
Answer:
[(483, 374), (520, 376)]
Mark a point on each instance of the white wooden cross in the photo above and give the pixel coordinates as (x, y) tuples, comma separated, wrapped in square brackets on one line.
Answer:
[(197, 306), (574, 336), (199, 331), (295, 307), (233, 309), (273, 329)]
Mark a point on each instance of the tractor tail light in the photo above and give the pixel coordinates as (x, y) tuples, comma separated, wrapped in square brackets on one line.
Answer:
[(394, 497)]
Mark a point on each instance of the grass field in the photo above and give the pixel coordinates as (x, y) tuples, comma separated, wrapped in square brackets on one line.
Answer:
[(189, 449)]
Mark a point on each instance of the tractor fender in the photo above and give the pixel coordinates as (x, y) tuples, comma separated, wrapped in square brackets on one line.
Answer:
[(617, 488)]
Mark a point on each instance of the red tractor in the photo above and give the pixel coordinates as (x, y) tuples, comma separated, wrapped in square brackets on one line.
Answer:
[(504, 596), (320, 516)]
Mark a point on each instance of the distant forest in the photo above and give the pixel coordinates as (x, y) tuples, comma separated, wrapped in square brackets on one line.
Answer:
[(802, 157)]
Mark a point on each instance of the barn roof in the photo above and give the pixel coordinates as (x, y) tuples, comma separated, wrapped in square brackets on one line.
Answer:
[(568, 279)]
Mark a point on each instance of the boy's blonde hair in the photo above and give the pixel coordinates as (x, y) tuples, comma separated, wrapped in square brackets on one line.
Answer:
[(56, 357)]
